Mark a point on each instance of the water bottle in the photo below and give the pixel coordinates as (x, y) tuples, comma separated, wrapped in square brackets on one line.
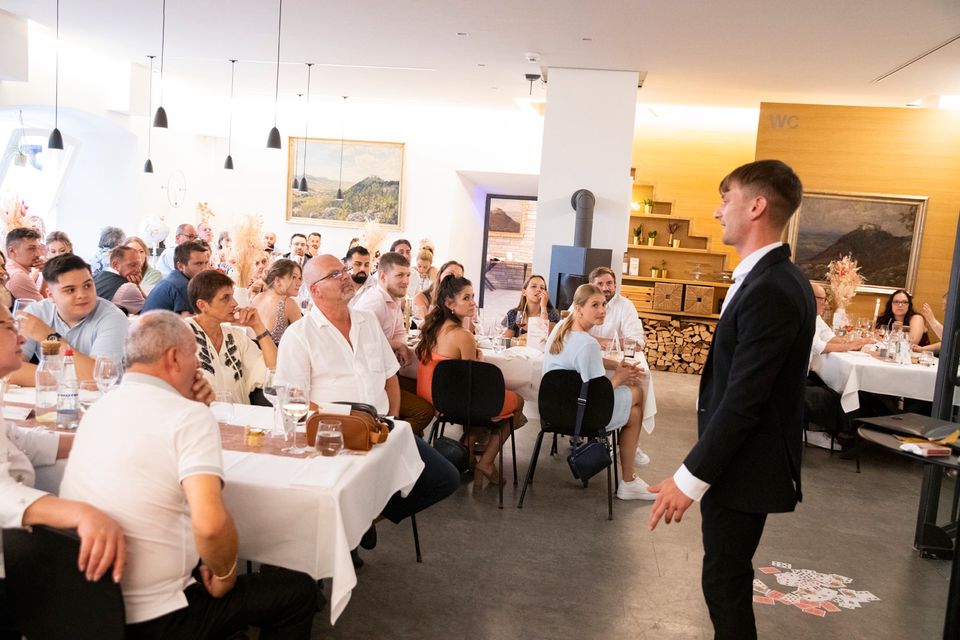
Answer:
[(68, 395), (46, 382)]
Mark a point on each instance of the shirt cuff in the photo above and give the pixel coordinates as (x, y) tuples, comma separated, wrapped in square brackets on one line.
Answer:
[(692, 486), (40, 446)]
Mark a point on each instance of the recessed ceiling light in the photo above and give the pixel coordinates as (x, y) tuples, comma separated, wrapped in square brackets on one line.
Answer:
[(462, 34)]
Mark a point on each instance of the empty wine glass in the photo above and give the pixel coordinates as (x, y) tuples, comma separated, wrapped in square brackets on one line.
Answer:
[(294, 405), (106, 373), (88, 393)]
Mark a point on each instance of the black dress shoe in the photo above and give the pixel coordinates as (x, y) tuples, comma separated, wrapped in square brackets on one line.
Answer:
[(369, 539), (357, 560)]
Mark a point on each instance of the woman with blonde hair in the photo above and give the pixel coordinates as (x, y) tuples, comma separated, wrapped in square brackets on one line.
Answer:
[(534, 303), (149, 276), (277, 304), (428, 272), (58, 244), (571, 347)]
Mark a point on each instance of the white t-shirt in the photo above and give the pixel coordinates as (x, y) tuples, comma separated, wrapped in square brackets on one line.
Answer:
[(237, 368), (822, 334), (313, 351), (133, 449)]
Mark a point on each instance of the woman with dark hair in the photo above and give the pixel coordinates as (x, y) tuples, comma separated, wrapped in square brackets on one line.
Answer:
[(224, 259), (276, 304), (423, 301), (899, 308), (149, 276), (232, 362), (443, 337), (534, 303)]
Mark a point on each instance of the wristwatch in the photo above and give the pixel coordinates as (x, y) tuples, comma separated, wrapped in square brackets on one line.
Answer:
[(54, 336)]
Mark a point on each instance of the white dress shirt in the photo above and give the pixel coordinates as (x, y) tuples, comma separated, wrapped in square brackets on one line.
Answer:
[(621, 320), (20, 451), (822, 334), (313, 351), (692, 486), (165, 263)]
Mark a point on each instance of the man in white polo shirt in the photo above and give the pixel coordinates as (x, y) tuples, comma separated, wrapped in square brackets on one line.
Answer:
[(163, 483)]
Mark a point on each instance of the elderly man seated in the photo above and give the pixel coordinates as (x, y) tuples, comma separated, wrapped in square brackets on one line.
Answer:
[(120, 282), (343, 355), (171, 293), (74, 315), (385, 302), (101, 539), (163, 482)]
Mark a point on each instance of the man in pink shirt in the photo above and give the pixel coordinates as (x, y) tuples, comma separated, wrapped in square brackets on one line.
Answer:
[(24, 253)]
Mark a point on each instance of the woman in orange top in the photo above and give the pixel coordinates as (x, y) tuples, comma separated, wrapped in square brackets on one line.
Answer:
[(444, 338)]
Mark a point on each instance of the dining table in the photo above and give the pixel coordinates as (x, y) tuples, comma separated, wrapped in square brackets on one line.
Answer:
[(848, 372)]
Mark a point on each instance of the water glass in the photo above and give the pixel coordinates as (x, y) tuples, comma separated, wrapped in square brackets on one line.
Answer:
[(88, 393), (629, 348), (20, 304), (329, 439), (927, 359), (106, 373), (45, 407)]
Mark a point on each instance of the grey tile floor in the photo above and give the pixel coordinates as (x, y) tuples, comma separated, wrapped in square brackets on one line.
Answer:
[(558, 569)]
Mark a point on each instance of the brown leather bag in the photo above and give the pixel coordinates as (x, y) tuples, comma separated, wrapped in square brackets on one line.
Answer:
[(360, 429)]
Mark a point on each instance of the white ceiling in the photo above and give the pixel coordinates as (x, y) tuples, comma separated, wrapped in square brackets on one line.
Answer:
[(725, 52)]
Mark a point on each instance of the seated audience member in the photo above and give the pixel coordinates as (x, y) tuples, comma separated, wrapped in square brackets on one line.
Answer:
[(313, 243), (621, 319), (443, 337), (933, 325), (270, 242), (899, 309), (229, 359), (428, 272), (21, 505), (572, 347), (205, 233), (257, 281), (353, 242), (164, 485), (185, 233), (110, 238), (358, 264), (23, 249), (58, 243), (385, 302), (149, 277), (824, 339), (534, 303), (224, 255), (276, 304), (119, 283), (405, 249), (88, 325), (6, 298), (171, 293), (298, 249), (423, 301), (342, 355)]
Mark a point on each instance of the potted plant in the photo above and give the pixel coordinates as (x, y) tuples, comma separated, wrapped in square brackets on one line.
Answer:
[(652, 238), (637, 232), (654, 272), (647, 206), (663, 268), (673, 227)]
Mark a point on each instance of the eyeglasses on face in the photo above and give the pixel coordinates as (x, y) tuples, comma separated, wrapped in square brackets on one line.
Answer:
[(339, 274), (901, 302)]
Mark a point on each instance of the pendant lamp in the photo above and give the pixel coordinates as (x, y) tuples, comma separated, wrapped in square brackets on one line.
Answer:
[(306, 124), (343, 117), (273, 140), (160, 119), (148, 165), (56, 140), (228, 163), (296, 181)]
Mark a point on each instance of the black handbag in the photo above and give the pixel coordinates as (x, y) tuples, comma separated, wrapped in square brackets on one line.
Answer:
[(588, 459), (455, 453)]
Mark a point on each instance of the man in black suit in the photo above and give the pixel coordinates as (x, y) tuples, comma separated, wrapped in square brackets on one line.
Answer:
[(746, 462), (298, 249)]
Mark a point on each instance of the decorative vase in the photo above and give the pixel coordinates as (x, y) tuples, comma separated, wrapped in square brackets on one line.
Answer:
[(654, 272), (840, 320), (636, 241), (663, 273), (647, 209), (675, 243), (670, 241), (651, 242)]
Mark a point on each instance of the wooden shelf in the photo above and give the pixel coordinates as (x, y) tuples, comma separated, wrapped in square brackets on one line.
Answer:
[(647, 247), (658, 216), (709, 316), (705, 283)]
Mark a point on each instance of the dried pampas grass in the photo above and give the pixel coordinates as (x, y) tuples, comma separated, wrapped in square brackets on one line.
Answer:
[(372, 236), (247, 238)]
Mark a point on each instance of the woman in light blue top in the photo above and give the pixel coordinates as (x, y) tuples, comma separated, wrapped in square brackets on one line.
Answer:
[(571, 347)]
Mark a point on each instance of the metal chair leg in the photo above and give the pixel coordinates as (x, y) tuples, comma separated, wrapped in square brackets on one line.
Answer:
[(609, 495), (416, 537), (531, 468), (553, 447), (513, 449), (500, 469), (616, 459)]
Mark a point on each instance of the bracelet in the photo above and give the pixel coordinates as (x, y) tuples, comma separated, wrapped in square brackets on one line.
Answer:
[(228, 574), (263, 335)]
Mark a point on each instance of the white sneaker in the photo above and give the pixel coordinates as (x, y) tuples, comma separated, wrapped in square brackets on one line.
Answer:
[(635, 489), (641, 458), (821, 439)]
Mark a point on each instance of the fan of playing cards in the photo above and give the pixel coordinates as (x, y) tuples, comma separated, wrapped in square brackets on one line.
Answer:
[(815, 593)]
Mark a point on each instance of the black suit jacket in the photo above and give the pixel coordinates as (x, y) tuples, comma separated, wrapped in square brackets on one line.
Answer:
[(750, 412)]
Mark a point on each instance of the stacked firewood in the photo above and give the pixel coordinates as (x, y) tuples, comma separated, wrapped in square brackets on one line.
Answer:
[(677, 345)]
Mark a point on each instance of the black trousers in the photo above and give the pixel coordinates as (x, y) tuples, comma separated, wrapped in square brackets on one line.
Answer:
[(438, 480), (730, 539), (281, 602)]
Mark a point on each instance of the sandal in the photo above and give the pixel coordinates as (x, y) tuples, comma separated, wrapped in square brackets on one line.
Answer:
[(492, 475)]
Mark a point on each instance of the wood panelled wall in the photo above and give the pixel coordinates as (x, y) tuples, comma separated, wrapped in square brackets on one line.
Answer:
[(877, 150)]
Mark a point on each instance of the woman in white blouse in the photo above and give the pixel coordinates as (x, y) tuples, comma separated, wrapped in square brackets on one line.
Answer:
[(232, 362)]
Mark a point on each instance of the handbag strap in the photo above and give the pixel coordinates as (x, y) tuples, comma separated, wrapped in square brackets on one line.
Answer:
[(581, 407)]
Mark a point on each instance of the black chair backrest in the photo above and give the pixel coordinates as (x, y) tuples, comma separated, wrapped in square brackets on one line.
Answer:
[(49, 595), (559, 390), (468, 390)]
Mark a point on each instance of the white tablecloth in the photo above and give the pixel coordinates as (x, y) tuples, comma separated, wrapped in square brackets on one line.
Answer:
[(853, 371)]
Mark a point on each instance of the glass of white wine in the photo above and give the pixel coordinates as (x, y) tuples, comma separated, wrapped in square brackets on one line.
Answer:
[(294, 403)]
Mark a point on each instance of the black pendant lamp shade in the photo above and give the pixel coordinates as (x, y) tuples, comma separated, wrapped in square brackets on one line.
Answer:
[(148, 165), (273, 140), (306, 125), (160, 119), (295, 186), (228, 163), (56, 140)]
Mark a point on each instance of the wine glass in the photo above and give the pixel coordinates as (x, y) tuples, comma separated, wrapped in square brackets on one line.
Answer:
[(271, 391), (294, 405), (88, 393), (20, 304), (106, 373)]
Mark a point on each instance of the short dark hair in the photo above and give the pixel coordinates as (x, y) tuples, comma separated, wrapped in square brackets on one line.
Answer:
[(601, 271), (117, 253), (775, 181), (392, 259), (314, 233), (281, 269), (21, 233), (397, 243), (204, 286), (56, 267), (298, 235), (355, 249), (181, 255)]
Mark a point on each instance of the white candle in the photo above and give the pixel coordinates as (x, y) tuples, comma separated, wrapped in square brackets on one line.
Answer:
[(876, 312)]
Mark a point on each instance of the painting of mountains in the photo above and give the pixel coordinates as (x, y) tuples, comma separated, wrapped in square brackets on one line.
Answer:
[(507, 213), (881, 232), (368, 180)]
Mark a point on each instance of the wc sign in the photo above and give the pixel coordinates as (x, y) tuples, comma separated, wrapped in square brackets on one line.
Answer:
[(784, 121)]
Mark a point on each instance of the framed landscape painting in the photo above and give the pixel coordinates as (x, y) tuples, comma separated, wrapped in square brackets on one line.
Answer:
[(882, 232), (506, 214), (369, 178)]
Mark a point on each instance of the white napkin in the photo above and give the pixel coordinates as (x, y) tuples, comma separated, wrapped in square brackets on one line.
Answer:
[(16, 413)]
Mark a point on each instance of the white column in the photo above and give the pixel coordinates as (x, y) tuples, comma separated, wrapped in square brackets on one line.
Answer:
[(587, 144)]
